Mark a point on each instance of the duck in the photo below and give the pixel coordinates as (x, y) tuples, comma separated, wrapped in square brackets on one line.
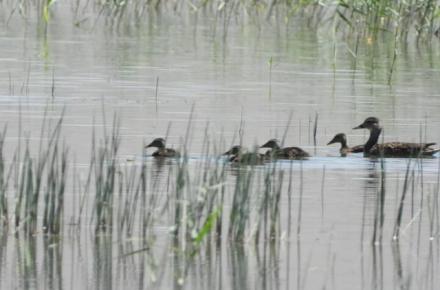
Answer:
[(162, 151), (392, 149), (237, 154), (283, 153), (344, 150)]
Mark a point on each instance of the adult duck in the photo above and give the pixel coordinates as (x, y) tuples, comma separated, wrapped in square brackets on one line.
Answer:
[(162, 151), (392, 149), (344, 150), (276, 152), (237, 154)]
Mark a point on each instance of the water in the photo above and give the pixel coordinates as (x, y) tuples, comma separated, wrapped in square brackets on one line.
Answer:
[(234, 92)]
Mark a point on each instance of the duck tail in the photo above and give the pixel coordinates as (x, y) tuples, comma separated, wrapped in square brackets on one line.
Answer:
[(430, 152), (427, 145)]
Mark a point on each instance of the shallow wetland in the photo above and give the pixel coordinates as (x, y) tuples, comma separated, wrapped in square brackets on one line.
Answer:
[(83, 204)]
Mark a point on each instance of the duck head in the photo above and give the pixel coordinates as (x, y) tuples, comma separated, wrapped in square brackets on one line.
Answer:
[(369, 123), (234, 150), (158, 143), (339, 138), (272, 143)]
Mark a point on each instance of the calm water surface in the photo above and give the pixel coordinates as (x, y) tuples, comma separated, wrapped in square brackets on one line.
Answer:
[(235, 92)]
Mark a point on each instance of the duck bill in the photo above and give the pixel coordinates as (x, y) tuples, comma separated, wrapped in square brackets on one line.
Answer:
[(361, 126), (264, 145), (331, 142), (227, 152), (149, 145)]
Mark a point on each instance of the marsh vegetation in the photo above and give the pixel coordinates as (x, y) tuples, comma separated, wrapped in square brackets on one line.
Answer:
[(86, 85)]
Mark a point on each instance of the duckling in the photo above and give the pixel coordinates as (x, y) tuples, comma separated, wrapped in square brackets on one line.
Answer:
[(239, 155), (233, 152), (162, 151), (392, 149), (283, 153), (342, 138)]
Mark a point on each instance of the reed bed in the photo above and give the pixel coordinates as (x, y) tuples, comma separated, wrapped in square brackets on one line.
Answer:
[(365, 18), (217, 201), (204, 206)]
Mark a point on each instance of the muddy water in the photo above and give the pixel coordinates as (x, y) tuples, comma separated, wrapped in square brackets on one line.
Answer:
[(247, 85)]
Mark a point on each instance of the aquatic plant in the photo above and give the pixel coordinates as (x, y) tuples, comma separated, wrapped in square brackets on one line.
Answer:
[(366, 18), (105, 168), (203, 204)]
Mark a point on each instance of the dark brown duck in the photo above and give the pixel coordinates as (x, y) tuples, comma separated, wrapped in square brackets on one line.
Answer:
[(392, 149), (237, 154), (277, 152), (162, 151)]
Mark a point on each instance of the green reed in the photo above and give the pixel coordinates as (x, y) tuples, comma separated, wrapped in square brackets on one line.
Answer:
[(45, 172), (360, 17), (240, 207), (5, 176), (268, 214), (207, 203), (55, 188), (204, 202), (105, 171)]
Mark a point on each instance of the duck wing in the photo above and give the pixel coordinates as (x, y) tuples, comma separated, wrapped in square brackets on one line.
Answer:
[(292, 153), (167, 152), (171, 153), (357, 149), (403, 149)]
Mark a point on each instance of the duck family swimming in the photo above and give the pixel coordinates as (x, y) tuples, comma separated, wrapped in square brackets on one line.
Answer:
[(237, 154)]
